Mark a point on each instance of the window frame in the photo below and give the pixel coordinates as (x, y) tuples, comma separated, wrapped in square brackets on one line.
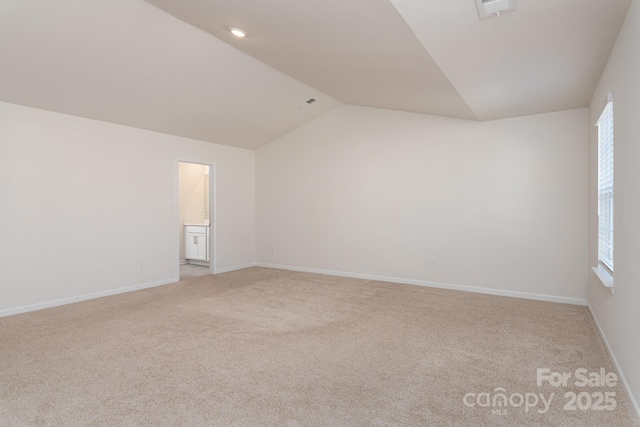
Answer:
[(606, 188)]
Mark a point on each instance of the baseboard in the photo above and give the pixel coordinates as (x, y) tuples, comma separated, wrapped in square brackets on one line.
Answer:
[(183, 261), (632, 399), (464, 288), (94, 295), (196, 262), (237, 267), (85, 297)]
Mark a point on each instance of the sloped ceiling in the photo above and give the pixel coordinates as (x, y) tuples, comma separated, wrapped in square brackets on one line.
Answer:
[(547, 55), (131, 62), (127, 62), (360, 52), (426, 56)]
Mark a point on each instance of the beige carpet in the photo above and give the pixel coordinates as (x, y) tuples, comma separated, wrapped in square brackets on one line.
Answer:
[(264, 347)]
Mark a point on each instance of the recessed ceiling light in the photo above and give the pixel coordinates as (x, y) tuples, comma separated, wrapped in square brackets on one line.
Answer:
[(238, 32)]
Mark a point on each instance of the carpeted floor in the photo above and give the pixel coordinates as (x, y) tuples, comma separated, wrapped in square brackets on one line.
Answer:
[(262, 347)]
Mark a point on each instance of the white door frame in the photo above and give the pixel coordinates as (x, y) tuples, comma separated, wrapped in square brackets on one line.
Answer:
[(213, 217)]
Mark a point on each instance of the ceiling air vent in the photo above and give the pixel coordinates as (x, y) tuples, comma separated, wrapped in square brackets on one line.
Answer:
[(307, 103), (489, 8)]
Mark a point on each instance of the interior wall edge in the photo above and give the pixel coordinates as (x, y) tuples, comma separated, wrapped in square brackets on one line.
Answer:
[(237, 267), (612, 356), (429, 284), (71, 300)]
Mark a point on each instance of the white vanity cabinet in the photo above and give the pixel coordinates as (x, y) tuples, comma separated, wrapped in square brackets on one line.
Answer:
[(196, 242)]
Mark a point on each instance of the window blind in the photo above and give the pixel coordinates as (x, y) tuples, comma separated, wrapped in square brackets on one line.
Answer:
[(605, 186)]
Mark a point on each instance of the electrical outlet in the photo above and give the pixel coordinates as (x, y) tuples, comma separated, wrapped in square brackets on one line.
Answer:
[(433, 263), (273, 250), (141, 265)]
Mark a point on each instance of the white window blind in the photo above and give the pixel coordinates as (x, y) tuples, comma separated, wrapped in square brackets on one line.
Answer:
[(605, 186)]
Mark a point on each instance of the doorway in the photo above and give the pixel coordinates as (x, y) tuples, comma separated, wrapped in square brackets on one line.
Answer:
[(196, 231)]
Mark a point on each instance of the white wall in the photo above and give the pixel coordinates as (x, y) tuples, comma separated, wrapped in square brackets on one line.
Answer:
[(191, 199), (619, 314), (83, 202), (499, 204)]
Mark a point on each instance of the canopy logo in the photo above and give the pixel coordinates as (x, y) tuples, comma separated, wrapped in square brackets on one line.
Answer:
[(501, 402)]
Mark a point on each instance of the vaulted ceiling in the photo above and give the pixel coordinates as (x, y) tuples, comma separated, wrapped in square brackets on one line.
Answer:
[(127, 62), (172, 66)]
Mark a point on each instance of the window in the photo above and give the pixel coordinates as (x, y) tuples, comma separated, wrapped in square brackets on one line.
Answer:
[(605, 186)]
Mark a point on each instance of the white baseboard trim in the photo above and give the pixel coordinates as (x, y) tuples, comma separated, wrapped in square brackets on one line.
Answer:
[(237, 267), (196, 262), (464, 288), (183, 261), (85, 297), (632, 399), (71, 300)]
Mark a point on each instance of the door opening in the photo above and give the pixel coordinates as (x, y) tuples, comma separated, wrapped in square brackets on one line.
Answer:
[(196, 256)]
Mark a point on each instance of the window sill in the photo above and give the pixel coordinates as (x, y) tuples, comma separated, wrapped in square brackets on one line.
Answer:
[(605, 277)]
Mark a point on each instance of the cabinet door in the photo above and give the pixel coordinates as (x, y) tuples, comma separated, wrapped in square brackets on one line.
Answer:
[(197, 246), (191, 245)]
